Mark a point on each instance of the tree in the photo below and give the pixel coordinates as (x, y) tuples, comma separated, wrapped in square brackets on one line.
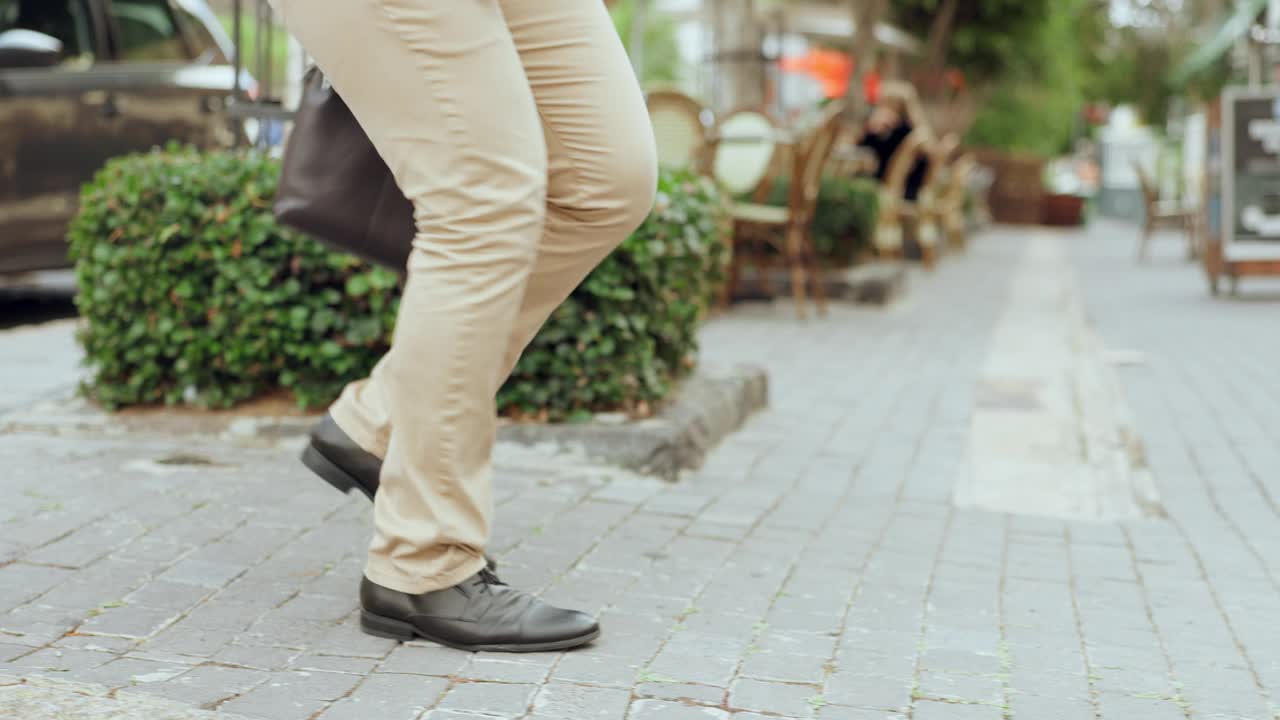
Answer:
[(866, 16), (986, 38), (1033, 104), (659, 56)]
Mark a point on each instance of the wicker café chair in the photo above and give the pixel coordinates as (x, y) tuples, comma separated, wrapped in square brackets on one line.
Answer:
[(680, 129), (1162, 214), (744, 154), (743, 146), (929, 221), (951, 202), (787, 229)]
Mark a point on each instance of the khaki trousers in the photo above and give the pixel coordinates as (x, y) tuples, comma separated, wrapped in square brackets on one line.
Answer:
[(519, 132)]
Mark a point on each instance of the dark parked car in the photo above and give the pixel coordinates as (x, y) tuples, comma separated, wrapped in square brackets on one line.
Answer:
[(82, 81)]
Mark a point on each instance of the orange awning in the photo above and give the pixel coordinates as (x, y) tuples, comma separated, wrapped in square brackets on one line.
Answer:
[(832, 69)]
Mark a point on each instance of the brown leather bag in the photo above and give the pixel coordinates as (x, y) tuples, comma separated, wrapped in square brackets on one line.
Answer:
[(335, 186)]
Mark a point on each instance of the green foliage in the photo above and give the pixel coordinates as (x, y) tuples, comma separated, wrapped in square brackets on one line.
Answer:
[(192, 293), (1035, 106), (845, 218), (661, 57), (990, 38), (631, 327)]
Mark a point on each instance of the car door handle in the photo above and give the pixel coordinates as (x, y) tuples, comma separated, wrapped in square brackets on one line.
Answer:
[(105, 101)]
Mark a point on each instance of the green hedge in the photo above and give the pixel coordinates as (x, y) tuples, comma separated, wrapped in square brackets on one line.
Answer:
[(845, 219), (192, 293)]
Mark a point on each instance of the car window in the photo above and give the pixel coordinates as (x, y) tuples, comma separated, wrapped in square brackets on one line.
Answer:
[(204, 46), (66, 20), (147, 31)]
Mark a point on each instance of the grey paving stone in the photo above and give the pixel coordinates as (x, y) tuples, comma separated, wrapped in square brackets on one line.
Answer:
[(258, 658), (677, 691), (424, 660), (86, 544), (927, 710), (1113, 707), (595, 669), (840, 712), (134, 621), (785, 667), (207, 685), (869, 691), (101, 643), (48, 699), (9, 651), (222, 614), (461, 715), (793, 643), (574, 702), (393, 697), (333, 663), (272, 631), (492, 698), (969, 688), (1030, 707), (345, 639), (1133, 681), (57, 661), (292, 694), (511, 669), (664, 710), (131, 672), (20, 583), (979, 663), (194, 641), (1054, 684), (203, 572), (715, 670), (774, 698)]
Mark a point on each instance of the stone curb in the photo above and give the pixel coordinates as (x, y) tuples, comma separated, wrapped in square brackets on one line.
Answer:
[(874, 283), (47, 699), (705, 408)]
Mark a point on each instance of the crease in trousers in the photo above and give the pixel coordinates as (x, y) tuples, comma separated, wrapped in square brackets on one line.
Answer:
[(519, 132)]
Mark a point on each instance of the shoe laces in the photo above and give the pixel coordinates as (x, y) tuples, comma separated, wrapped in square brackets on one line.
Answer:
[(488, 577)]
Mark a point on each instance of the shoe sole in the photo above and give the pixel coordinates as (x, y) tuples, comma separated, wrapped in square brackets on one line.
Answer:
[(385, 627), (340, 479), (344, 482)]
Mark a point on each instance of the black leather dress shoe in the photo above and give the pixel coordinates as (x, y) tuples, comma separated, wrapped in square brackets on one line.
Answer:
[(339, 461), (480, 613)]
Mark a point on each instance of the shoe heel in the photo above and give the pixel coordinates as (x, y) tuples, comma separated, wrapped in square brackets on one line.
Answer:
[(379, 626), (330, 473)]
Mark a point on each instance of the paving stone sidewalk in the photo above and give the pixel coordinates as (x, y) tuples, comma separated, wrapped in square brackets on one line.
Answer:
[(818, 566)]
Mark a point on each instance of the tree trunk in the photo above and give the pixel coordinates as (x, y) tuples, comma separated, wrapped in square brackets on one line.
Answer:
[(866, 15), (738, 63), (639, 13), (939, 41)]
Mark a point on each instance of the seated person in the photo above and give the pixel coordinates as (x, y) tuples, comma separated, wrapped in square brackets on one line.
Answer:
[(890, 123)]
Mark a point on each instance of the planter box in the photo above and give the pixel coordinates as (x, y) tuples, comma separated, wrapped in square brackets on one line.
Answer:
[(1017, 193), (1063, 210)]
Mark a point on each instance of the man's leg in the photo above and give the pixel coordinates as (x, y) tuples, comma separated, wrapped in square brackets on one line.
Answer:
[(440, 89), (602, 175)]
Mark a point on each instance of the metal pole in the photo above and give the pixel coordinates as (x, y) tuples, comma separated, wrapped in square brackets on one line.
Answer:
[(639, 11), (236, 63), (266, 44), (1272, 50)]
